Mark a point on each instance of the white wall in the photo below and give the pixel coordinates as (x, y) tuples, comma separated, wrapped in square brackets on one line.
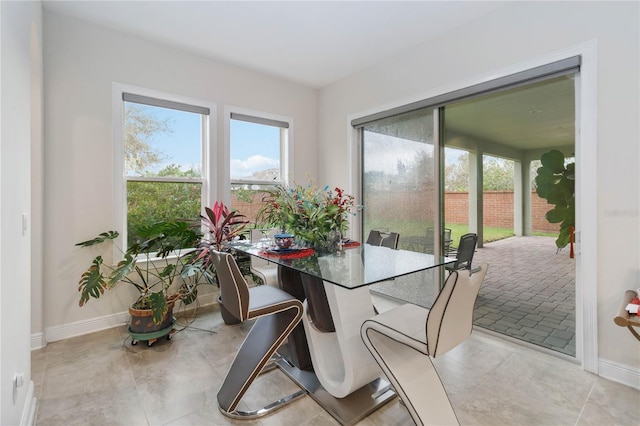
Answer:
[(509, 36), (81, 61), (20, 85)]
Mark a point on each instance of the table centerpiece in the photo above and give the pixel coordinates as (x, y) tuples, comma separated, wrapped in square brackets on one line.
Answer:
[(317, 218)]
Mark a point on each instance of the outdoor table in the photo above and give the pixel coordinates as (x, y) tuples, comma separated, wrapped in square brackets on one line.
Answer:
[(342, 376)]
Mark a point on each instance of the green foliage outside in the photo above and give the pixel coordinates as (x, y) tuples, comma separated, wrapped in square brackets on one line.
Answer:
[(417, 228), (151, 202), (497, 175), (140, 127), (555, 182)]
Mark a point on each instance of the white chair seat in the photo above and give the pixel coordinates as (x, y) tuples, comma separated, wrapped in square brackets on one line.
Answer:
[(263, 269), (403, 340), (267, 272), (400, 324)]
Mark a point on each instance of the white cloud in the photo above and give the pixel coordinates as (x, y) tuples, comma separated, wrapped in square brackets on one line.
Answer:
[(255, 163)]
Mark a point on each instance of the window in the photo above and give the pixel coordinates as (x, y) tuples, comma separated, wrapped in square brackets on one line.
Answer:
[(258, 158), (162, 162)]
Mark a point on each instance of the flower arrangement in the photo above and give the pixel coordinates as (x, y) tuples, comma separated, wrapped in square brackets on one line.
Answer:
[(307, 212)]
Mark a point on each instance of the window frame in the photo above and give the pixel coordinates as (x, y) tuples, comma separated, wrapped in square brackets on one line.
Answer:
[(209, 145), (286, 147)]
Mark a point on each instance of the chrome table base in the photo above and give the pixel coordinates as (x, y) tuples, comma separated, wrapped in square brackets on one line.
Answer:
[(348, 410)]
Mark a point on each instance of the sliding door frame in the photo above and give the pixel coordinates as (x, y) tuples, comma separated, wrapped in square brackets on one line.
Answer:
[(586, 160)]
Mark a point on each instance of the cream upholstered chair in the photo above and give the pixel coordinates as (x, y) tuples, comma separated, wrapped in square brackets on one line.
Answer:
[(265, 270), (403, 339), (276, 312)]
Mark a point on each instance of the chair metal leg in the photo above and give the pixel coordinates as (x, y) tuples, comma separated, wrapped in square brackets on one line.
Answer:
[(262, 342), (267, 409)]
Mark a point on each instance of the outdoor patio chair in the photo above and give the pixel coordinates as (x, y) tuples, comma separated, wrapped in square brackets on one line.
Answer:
[(383, 239), (403, 340), (276, 313), (425, 243), (448, 248), (465, 251), (262, 268)]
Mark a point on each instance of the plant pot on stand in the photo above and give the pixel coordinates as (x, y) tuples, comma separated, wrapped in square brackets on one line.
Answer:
[(143, 328)]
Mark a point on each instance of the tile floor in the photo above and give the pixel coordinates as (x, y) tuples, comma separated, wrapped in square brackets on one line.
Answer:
[(100, 379)]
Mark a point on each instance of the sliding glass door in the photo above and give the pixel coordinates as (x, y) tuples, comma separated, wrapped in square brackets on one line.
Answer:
[(461, 162), (399, 178), (400, 190)]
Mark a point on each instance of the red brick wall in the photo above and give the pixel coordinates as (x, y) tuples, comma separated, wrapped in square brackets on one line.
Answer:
[(498, 208), (456, 206), (540, 207), (250, 210)]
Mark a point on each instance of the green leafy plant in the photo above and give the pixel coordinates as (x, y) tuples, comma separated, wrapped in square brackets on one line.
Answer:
[(555, 182), (159, 267), (307, 212), (221, 225)]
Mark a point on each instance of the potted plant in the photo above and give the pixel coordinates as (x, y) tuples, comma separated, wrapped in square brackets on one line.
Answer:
[(160, 268), (555, 182), (221, 225), (311, 214)]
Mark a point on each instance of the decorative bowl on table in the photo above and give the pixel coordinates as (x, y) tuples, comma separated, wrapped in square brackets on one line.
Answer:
[(283, 241)]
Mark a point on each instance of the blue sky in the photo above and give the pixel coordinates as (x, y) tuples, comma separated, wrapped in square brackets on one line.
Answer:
[(254, 147)]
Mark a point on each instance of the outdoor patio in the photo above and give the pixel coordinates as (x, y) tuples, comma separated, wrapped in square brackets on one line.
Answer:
[(528, 293)]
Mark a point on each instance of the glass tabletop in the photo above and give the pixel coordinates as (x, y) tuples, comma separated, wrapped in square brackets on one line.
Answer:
[(355, 267)]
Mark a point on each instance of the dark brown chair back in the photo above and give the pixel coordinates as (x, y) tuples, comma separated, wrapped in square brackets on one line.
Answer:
[(234, 289)]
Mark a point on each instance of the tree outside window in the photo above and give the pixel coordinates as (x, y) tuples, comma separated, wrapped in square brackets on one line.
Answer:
[(163, 162)]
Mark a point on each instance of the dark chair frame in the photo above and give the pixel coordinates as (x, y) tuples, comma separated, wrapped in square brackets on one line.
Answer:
[(276, 312), (389, 239), (465, 251)]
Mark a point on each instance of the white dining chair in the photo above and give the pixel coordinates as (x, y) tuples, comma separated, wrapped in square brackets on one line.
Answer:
[(403, 340), (262, 268)]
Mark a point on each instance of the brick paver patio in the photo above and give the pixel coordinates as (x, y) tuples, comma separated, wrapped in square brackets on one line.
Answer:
[(528, 293)]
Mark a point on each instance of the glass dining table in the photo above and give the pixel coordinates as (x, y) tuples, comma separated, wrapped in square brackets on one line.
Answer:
[(326, 356)]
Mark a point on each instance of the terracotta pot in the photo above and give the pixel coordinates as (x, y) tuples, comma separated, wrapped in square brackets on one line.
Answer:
[(142, 320)]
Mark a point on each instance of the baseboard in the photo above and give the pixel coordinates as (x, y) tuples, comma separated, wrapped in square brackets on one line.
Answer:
[(609, 370), (38, 341), (28, 417), (79, 328), (619, 373)]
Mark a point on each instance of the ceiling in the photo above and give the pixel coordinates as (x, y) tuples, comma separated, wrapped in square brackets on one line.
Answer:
[(533, 117), (316, 43)]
